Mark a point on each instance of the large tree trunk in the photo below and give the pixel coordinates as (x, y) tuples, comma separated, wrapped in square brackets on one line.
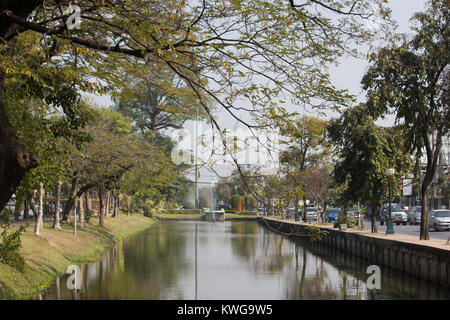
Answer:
[(101, 209), (114, 197), (81, 210), (108, 203), (424, 234), (317, 214), (70, 203), (25, 210), (118, 204), (433, 152), (58, 201), (374, 217), (88, 202), (15, 160)]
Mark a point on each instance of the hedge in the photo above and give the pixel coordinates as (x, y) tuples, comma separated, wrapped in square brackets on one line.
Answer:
[(184, 211), (244, 213), (199, 211)]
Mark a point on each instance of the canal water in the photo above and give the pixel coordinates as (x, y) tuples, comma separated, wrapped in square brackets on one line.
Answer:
[(230, 260)]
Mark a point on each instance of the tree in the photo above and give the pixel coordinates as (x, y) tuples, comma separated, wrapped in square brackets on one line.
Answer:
[(34, 113), (286, 45), (154, 110), (223, 190), (56, 224), (412, 80), (306, 146), (39, 216), (127, 157), (39, 107), (364, 152), (317, 180), (234, 191)]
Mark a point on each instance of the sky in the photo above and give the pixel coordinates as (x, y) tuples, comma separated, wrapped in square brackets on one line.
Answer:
[(347, 75), (350, 71)]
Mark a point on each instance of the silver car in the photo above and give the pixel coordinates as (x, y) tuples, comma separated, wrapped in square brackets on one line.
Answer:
[(311, 214), (397, 213), (439, 219), (415, 214)]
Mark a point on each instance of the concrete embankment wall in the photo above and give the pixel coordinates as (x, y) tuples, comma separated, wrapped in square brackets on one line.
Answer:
[(422, 261)]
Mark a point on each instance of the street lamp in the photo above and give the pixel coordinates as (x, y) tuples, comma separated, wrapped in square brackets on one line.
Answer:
[(390, 222)]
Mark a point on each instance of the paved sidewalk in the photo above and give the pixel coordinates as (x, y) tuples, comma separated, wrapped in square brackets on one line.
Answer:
[(436, 243)]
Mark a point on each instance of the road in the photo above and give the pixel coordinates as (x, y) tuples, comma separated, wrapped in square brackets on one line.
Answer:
[(411, 230), (408, 229)]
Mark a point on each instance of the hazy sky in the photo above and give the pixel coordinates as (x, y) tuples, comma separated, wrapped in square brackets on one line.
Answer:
[(345, 76), (350, 70), (349, 73)]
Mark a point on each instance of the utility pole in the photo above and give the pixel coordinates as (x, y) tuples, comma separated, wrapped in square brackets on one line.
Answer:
[(196, 260), (196, 204), (390, 223)]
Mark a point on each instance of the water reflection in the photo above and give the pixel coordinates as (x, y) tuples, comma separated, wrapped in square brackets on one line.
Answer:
[(231, 260)]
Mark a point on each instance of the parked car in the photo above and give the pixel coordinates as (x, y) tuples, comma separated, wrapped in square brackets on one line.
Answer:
[(397, 213), (290, 212), (352, 212), (439, 219), (415, 214), (331, 215), (311, 213), (261, 210), (407, 210)]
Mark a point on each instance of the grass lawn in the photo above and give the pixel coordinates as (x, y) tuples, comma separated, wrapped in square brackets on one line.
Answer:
[(53, 251)]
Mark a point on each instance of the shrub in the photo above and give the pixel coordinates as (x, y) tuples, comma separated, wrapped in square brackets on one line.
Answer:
[(10, 244), (249, 201), (316, 233), (87, 215), (244, 212), (350, 222), (142, 205), (6, 215), (126, 211)]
